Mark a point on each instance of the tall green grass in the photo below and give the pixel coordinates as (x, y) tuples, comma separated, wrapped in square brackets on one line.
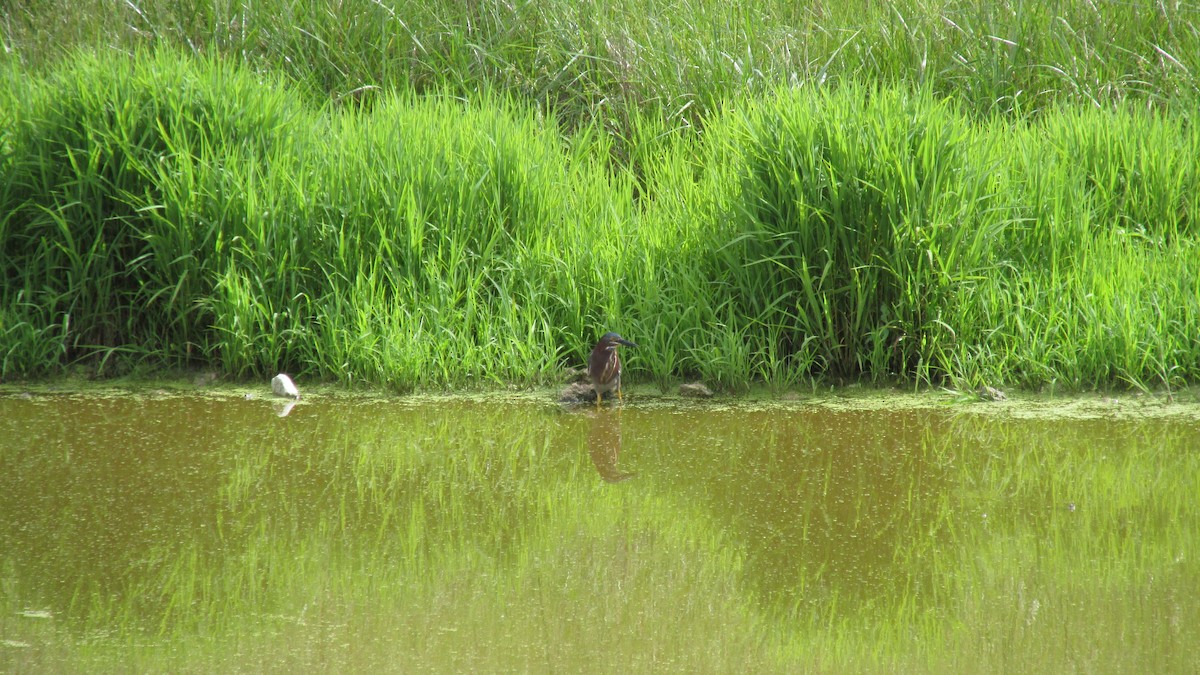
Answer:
[(163, 210)]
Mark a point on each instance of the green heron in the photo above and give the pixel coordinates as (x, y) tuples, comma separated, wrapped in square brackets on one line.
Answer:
[(604, 366)]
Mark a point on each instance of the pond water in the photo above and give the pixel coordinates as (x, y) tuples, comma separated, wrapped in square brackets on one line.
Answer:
[(190, 533)]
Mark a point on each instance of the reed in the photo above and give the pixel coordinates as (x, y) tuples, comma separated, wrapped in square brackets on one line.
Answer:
[(612, 60)]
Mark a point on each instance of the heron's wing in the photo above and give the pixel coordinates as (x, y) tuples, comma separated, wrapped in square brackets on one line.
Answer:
[(612, 369)]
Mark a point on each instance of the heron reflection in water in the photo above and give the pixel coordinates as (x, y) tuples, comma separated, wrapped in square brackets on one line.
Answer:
[(604, 445)]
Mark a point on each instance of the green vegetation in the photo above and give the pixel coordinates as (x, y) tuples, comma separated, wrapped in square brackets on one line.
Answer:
[(966, 192)]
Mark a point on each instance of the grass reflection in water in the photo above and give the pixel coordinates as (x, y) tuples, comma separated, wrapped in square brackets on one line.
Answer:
[(202, 534)]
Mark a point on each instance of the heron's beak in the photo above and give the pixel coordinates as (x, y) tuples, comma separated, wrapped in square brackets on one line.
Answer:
[(625, 342)]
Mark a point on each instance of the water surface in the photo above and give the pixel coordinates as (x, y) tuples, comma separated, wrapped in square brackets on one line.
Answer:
[(207, 533)]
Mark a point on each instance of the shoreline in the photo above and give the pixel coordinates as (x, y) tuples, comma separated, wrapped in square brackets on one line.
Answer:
[(1129, 404)]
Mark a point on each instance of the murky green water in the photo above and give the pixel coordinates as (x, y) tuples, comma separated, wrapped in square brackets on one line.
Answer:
[(208, 534)]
